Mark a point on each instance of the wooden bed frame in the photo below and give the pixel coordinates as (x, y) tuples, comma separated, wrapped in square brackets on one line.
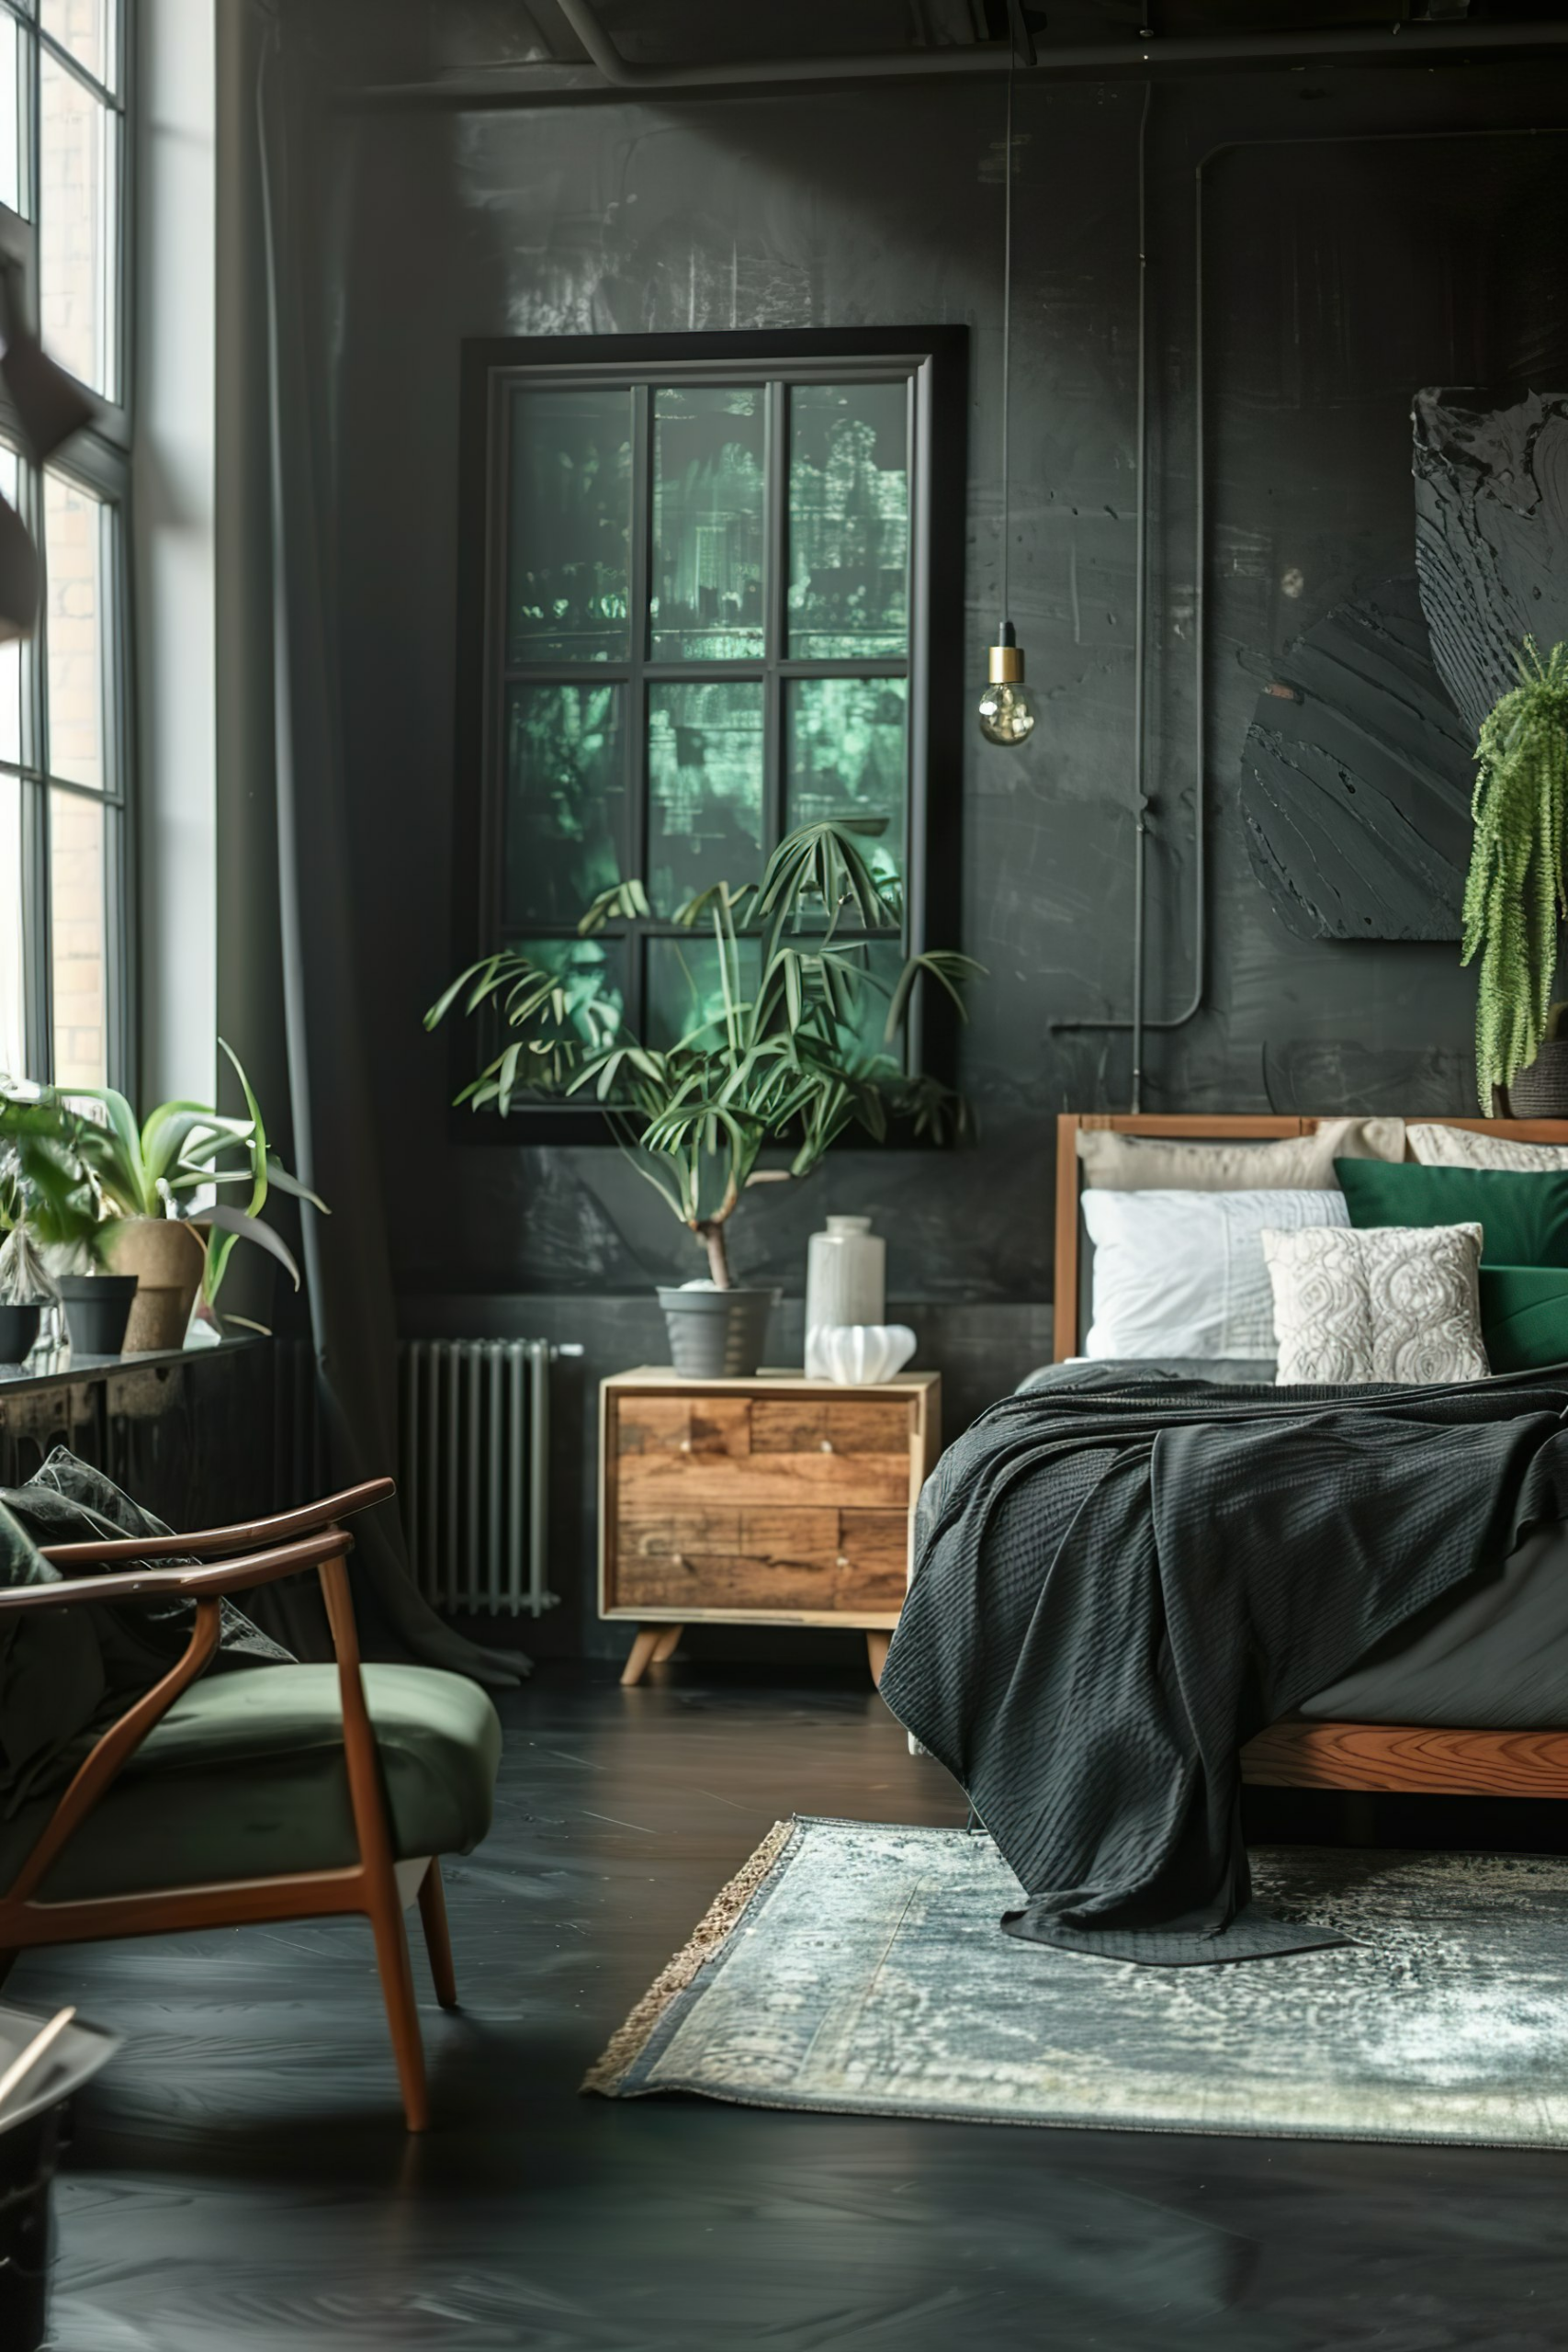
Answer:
[(1415, 1759)]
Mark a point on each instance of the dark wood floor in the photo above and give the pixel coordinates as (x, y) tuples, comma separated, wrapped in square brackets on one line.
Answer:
[(240, 2181)]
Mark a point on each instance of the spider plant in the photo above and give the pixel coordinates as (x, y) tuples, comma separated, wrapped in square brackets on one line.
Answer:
[(783, 1062), (91, 1170)]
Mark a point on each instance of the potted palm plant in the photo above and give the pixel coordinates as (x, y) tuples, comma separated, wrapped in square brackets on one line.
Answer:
[(1515, 897), (784, 1061)]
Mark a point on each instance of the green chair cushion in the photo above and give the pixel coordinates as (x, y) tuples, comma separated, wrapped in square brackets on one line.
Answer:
[(1523, 1218), (245, 1778), (1524, 1316)]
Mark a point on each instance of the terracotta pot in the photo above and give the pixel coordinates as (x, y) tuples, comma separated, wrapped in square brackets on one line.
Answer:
[(165, 1257)]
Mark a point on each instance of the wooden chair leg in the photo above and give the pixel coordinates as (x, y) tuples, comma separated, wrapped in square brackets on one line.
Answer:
[(648, 1640), (876, 1645), (437, 1937), (402, 2015), (667, 1644)]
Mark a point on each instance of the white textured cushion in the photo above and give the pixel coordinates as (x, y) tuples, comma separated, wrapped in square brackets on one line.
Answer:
[(1436, 1146), (1181, 1274), (1114, 1163), (1394, 1303)]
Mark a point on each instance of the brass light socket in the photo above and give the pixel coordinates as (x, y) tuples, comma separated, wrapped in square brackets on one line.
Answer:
[(1004, 664)]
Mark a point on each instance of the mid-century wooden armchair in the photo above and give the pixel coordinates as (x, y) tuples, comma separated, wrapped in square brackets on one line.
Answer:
[(281, 1736)]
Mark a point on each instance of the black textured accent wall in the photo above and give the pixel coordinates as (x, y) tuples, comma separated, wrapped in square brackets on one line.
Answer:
[(1364, 234)]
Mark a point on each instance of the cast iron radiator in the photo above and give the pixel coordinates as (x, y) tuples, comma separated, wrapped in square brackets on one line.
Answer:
[(474, 1447)]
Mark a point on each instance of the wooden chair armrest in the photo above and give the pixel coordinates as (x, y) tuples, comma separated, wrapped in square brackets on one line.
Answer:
[(199, 1583), (238, 1538)]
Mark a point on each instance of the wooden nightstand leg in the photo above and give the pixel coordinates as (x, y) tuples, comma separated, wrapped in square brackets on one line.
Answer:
[(667, 1644), (876, 1652), (642, 1653)]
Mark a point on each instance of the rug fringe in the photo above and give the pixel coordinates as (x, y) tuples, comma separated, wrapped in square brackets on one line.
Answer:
[(717, 1925)]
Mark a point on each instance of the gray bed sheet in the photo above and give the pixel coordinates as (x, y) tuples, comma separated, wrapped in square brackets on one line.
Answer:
[(1493, 1657)]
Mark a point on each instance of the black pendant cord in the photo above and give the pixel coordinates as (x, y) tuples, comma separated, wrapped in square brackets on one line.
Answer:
[(1006, 329)]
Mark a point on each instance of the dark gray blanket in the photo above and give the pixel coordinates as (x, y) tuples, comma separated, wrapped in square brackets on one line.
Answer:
[(1115, 1587), (66, 1674)]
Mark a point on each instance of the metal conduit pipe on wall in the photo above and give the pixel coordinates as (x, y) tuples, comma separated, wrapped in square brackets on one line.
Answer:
[(1136, 1024), (1413, 43)]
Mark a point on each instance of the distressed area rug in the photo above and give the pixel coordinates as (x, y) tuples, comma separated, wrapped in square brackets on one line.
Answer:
[(860, 1969)]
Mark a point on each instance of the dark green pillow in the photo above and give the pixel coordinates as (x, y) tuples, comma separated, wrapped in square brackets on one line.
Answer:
[(1524, 1316), (1523, 1218)]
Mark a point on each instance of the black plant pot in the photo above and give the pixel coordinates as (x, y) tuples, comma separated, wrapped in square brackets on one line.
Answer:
[(1542, 1091), (19, 1330), (97, 1308), (717, 1334)]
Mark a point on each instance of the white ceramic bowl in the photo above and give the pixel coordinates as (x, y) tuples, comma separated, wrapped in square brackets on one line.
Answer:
[(857, 1354)]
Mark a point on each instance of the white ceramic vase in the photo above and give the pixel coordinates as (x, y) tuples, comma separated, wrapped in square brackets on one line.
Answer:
[(846, 1282), (858, 1355)]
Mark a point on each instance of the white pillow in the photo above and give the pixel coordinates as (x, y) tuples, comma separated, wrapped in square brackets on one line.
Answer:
[(1436, 1146), (1182, 1274), (1395, 1302), (1118, 1163)]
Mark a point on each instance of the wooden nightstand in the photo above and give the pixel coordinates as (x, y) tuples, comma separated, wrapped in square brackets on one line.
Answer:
[(773, 1502)]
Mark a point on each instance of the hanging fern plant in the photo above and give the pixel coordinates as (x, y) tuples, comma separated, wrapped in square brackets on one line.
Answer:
[(1515, 898)]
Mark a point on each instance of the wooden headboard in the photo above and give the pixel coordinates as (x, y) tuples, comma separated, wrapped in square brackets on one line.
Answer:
[(1212, 1127)]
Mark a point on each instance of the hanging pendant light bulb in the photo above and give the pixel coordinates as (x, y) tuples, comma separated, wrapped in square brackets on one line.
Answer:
[(1007, 715)]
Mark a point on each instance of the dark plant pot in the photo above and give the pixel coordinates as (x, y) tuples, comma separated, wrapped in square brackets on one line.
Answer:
[(97, 1308), (1542, 1091), (19, 1330), (717, 1334)]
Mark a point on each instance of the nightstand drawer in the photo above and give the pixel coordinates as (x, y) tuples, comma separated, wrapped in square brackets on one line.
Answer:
[(762, 1559), (762, 1452)]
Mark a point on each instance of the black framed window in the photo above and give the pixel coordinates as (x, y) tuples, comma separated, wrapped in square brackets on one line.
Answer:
[(712, 591), (65, 765)]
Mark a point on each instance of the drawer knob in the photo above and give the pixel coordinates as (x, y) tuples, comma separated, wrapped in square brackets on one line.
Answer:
[(827, 1445), (843, 1559), (679, 1559), (685, 1445)]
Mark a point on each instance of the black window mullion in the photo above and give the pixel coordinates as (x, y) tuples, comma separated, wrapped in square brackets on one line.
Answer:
[(635, 731), (775, 607)]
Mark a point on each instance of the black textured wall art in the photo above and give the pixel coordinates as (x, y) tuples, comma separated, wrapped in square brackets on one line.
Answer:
[(1491, 534), (1356, 779)]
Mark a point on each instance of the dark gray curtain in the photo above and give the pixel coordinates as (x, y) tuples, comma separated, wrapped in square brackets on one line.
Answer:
[(346, 1261)]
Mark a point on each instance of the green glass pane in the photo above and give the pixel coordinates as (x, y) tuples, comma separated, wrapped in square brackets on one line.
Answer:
[(846, 759), (565, 799), (707, 587), (849, 521), (568, 564), (705, 774), (592, 973), (685, 986)]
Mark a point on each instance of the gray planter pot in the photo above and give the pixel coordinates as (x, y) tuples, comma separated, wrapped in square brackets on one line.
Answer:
[(1542, 1091), (97, 1308), (717, 1334)]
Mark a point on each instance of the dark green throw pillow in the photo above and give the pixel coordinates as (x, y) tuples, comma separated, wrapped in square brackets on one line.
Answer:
[(1524, 1317), (1523, 1218)]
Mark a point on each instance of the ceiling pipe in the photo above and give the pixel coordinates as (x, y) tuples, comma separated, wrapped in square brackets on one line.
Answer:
[(1410, 41)]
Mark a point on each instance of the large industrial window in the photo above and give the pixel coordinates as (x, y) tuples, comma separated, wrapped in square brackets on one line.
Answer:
[(706, 576), (65, 723)]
